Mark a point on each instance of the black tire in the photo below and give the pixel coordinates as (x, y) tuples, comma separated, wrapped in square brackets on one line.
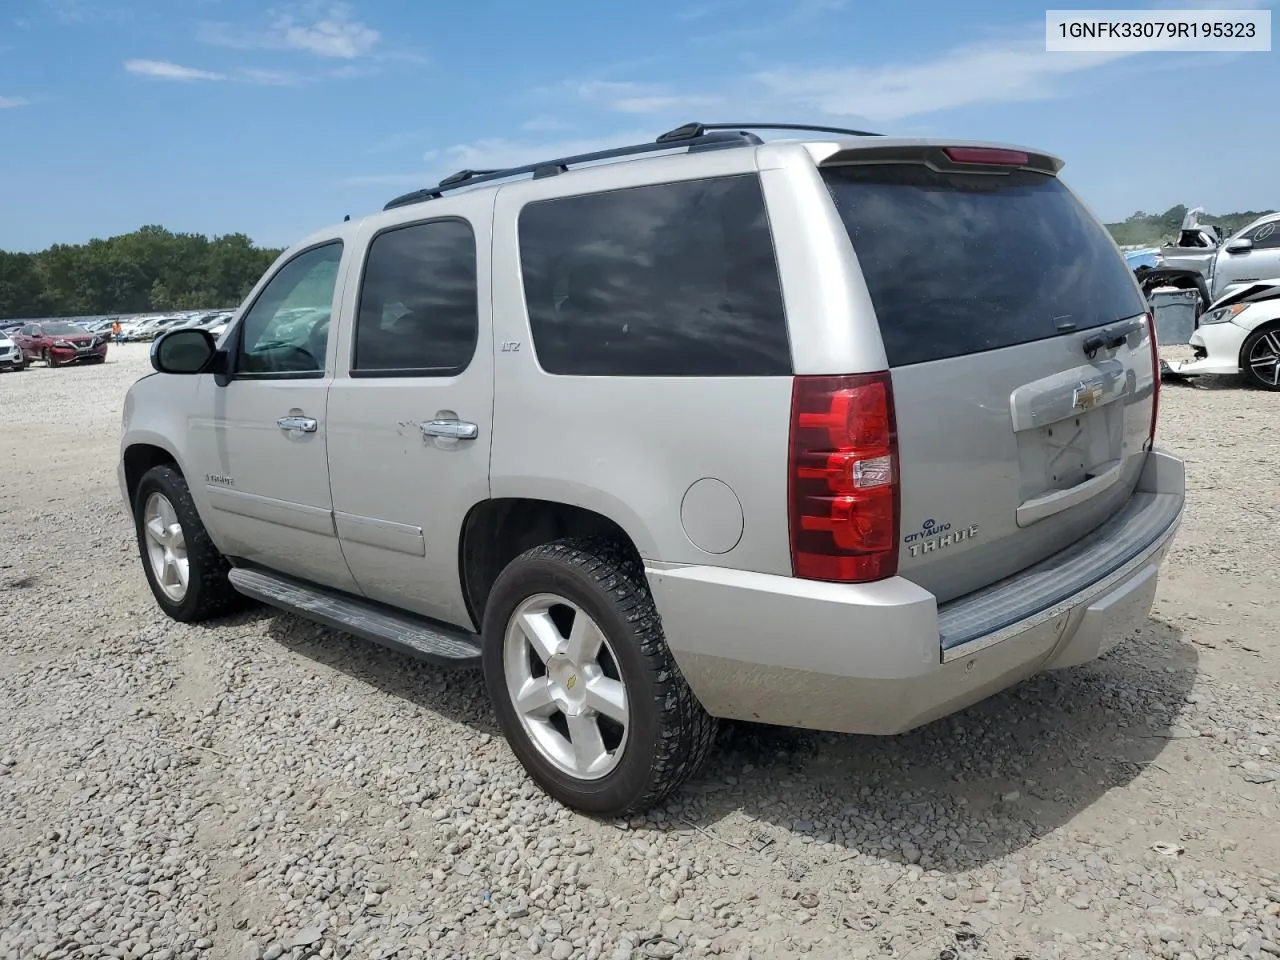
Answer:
[(1251, 376), (669, 734), (209, 593)]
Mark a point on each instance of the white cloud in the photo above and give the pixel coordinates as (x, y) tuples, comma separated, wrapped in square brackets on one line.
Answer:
[(165, 70), (544, 125), (9, 103), (986, 73), (626, 96), (661, 104), (272, 78), (335, 36), (495, 154), (331, 33)]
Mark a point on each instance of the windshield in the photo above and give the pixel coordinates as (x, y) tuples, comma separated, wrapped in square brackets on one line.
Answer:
[(958, 264), (64, 329)]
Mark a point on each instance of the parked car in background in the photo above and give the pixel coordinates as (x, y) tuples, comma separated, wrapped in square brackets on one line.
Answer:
[(152, 328), (61, 343), (1239, 334), (1248, 256), (10, 353), (845, 433)]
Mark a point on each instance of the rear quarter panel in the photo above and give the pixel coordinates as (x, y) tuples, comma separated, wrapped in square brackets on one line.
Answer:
[(630, 448)]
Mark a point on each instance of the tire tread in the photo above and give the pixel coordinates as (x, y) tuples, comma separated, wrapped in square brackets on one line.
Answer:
[(686, 732), (214, 595)]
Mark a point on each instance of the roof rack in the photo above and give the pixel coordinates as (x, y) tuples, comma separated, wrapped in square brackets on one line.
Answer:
[(709, 140), (690, 130), (694, 136)]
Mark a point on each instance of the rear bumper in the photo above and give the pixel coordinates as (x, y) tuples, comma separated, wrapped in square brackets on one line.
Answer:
[(883, 658)]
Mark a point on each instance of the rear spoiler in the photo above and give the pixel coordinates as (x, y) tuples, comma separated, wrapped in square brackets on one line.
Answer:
[(958, 157)]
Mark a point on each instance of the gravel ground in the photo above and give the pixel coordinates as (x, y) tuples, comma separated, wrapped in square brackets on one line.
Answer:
[(264, 788)]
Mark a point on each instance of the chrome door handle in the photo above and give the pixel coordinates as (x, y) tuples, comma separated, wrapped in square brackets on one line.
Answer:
[(451, 429), (302, 424)]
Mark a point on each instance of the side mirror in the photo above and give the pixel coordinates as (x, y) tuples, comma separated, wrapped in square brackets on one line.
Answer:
[(1239, 246), (183, 351)]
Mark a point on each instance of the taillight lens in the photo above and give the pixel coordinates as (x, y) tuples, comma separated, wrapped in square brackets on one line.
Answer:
[(1155, 371), (993, 155), (844, 478)]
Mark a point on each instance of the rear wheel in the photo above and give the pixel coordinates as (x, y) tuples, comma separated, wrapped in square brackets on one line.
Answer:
[(1260, 358), (187, 574), (583, 684)]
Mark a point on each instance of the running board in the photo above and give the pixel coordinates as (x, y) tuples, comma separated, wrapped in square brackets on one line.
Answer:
[(438, 643)]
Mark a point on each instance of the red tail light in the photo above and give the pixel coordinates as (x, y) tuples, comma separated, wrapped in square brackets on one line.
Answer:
[(1155, 369), (843, 481), (1004, 158)]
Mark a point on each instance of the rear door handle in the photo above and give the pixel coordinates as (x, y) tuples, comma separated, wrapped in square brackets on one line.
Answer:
[(301, 424), (450, 429)]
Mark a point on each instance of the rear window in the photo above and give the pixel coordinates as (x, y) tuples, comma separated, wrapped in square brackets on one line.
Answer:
[(664, 280), (959, 264)]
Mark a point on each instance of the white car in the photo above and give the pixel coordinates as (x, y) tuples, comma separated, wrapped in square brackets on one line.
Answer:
[(1239, 334), (10, 353)]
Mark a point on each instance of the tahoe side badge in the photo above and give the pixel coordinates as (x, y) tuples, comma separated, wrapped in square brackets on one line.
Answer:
[(933, 536)]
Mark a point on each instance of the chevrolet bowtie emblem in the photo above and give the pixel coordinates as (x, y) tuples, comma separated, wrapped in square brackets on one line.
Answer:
[(1087, 396)]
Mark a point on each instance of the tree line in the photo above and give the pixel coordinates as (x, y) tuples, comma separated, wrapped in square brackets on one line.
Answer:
[(149, 270), (1154, 228)]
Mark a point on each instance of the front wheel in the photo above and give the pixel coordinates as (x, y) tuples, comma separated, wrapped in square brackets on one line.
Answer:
[(187, 574), (583, 683), (1260, 358)]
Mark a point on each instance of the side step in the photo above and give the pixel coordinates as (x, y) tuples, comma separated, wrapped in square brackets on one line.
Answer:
[(418, 637)]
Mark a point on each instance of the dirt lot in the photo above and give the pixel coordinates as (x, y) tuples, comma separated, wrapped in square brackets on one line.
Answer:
[(260, 787)]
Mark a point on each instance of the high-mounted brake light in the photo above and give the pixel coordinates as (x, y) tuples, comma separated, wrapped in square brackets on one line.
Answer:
[(1155, 372), (843, 478), (992, 155)]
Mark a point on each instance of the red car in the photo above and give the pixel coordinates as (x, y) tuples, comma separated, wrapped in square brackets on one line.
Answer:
[(60, 343)]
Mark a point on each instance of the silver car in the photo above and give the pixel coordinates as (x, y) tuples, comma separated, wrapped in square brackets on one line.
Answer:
[(1249, 256), (845, 432)]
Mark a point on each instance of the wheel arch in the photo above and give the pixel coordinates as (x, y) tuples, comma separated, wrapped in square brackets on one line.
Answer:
[(142, 455), (496, 531)]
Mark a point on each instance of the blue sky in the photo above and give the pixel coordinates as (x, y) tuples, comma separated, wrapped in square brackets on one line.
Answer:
[(218, 116)]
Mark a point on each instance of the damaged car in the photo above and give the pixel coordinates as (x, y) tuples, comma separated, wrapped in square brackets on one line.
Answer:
[(1239, 334)]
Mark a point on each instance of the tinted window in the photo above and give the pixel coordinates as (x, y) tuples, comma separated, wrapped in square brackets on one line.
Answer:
[(286, 331), (958, 264), (1265, 236), (672, 280), (418, 301)]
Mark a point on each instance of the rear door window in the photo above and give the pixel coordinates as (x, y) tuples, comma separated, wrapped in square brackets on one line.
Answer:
[(665, 280), (419, 302), (963, 263)]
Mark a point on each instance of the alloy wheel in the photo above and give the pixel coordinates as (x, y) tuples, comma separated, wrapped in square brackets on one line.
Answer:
[(1264, 358), (566, 686), (166, 547)]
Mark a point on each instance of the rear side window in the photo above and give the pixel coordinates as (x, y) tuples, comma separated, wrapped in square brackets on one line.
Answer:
[(418, 313), (668, 280), (962, 263)]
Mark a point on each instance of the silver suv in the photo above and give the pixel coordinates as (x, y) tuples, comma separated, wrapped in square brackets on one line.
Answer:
[(845, 433)]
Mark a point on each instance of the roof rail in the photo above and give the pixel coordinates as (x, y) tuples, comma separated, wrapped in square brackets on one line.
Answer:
[(690, 130), (708, 139)]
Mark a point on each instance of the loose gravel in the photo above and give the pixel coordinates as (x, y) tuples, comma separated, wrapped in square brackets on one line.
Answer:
[(261, 788)]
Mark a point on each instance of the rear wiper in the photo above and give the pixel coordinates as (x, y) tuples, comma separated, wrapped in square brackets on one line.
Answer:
[(1112, 339)]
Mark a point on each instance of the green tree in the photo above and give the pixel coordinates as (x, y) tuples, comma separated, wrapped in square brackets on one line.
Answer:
[(21, 288), (150, 269)]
